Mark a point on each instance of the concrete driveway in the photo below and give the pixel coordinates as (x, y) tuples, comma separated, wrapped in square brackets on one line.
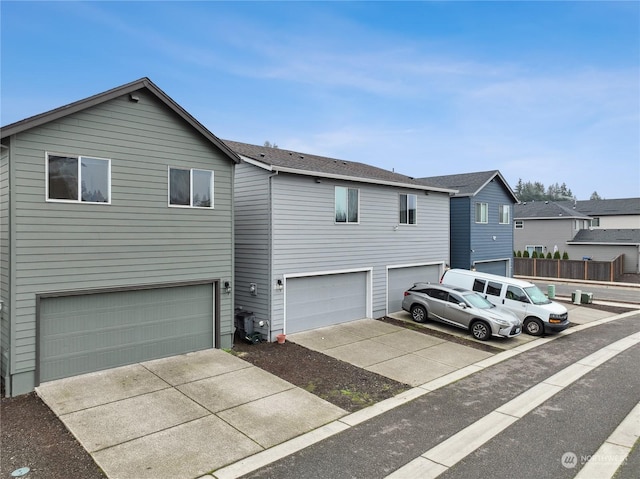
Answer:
[(183, 416)]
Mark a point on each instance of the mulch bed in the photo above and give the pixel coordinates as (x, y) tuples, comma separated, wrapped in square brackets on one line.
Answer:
[(32, 436)]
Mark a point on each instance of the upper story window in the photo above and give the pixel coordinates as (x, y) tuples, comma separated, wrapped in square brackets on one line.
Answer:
[(519, 224), (595, 222), (79, 179), (408, 209), (504, 214), (347, 204), (190, 188), (482, 212)]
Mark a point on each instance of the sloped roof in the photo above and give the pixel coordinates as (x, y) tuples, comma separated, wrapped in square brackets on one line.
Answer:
[(469, 184), (614, 207), (608, 236), (546, 210), (143, 83), (287, 161)]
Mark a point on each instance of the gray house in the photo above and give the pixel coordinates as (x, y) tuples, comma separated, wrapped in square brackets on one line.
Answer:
[(321, 241), (116, 222), (595, 229), (481, 220)]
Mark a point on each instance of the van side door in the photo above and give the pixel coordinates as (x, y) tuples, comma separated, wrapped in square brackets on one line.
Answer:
[(493, 292), (516, 301)]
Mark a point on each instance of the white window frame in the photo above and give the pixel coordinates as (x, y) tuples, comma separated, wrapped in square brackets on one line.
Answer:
[(518, 224), (504, 214), (190, 170), (79, 158), (537, 248), (335, 210), (483, 209), (595, 222), (406, 220)]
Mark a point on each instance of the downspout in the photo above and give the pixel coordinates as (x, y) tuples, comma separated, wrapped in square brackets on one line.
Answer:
[(270, 250)]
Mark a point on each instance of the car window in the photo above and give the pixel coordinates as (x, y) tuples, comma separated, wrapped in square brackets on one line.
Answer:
[(437, 294), (478, 301), (494, 288), (478, 285), (455, 299), (516, 294)]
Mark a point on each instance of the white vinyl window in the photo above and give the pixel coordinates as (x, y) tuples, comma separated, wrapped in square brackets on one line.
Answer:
[(537, 248), (190, 188), (408, 209), (482, 212), (504, 214), (347, 204), (79, 179)]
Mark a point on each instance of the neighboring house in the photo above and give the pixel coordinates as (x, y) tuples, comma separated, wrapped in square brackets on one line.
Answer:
[(606, 244), (595, 229), (622, 213), (545, 226), (116, 221), (321, 241), (481, 220)]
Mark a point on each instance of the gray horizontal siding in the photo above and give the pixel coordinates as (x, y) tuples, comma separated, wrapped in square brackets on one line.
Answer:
[(307, 239), (252, 240), (5, 288), (137, 239)]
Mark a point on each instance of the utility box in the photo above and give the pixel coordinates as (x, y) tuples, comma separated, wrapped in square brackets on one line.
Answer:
[(244, 322), (580, 297), (551, 291)]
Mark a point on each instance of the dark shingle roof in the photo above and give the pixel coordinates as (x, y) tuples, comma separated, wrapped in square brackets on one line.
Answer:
[(546, 210), (468, 184), (620, 206), (287, 161), (129, 88), (608, 236)]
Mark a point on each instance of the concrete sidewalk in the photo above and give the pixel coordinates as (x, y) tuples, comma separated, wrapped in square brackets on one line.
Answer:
[(188, 415)]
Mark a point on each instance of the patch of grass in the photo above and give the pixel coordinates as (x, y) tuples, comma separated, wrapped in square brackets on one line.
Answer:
[(355, 397), (310, 387)]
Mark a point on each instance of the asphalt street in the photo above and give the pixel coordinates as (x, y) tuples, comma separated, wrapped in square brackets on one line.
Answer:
[(577, 420), (602, 292)]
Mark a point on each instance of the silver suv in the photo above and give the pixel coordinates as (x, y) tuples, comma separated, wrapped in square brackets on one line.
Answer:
[(462, 308)]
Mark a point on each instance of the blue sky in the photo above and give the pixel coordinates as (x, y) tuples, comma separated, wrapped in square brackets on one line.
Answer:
[(542, 91)]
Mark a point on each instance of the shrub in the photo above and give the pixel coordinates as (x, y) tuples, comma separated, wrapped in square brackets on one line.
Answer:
[(534, 254), (556, 255), (565, 255), (519, 254), (525, 254), (549, 255)]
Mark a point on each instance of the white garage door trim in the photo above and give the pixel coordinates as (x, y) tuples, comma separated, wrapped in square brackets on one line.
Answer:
[(117, 326), (439, 264), (368, 281)]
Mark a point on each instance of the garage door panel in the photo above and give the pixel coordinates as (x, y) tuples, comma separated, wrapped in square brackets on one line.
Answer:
[(85, 333), (401, 279), (317, 301), (492, 267)]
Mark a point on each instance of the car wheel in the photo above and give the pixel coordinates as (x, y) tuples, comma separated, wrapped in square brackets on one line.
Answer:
[(533, 326), (419, 313), (480, 330)]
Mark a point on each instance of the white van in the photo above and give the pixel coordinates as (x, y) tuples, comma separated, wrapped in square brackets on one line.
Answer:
[(537, 313)]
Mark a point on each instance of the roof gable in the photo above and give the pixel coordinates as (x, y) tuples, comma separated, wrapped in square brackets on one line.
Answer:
[(129, 88), (287, 161), (469, 184)]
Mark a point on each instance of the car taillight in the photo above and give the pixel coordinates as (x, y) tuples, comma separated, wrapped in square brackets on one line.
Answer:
[(407, 293)]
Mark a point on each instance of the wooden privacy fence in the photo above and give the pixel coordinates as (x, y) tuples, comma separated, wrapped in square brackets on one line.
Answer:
[(569, 269)]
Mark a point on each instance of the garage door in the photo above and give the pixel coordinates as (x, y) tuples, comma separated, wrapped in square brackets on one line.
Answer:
[(316, 301), (85, 333), (493, 267), (400, 279)]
